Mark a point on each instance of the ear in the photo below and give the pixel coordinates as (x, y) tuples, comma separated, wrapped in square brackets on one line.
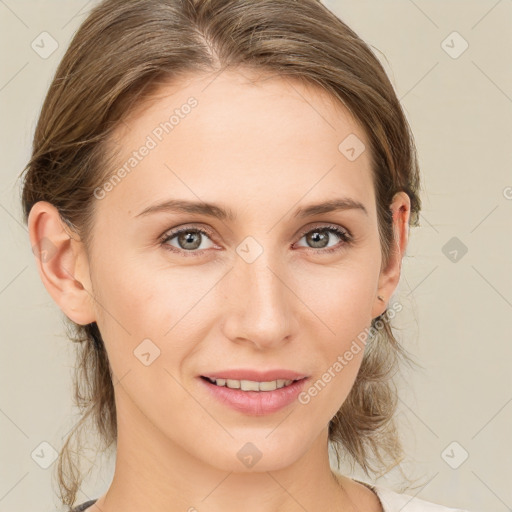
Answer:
[(390, 276), (62, 263)]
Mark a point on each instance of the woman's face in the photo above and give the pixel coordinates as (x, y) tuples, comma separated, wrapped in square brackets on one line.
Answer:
[(251, 284)]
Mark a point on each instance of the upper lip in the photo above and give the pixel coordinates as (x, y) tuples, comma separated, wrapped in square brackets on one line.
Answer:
[(255, 375)]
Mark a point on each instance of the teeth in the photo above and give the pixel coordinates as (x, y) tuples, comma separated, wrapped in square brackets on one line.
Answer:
[(250, 385)]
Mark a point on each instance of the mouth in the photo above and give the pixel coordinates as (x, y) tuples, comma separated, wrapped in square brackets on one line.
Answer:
[(250, 385), (254, 397)]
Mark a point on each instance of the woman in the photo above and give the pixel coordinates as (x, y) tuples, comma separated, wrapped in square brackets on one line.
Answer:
[(219, 197)]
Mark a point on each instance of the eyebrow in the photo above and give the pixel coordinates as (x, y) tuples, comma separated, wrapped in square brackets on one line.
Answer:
[(217, 211)]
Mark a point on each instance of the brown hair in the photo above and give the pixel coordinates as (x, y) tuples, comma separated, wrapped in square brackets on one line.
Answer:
[(104, 73)]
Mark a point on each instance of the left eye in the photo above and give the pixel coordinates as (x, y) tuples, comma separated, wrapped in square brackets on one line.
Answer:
[(319, 238)]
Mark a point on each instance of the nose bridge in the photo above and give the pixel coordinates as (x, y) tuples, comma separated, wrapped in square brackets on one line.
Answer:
[(265, 288), (260, 308)]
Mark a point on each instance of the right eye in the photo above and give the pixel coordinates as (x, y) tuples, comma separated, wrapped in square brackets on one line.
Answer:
[(189, 241)]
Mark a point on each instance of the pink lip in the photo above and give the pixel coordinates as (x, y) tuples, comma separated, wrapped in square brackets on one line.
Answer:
[(254, 375), (256, 403)]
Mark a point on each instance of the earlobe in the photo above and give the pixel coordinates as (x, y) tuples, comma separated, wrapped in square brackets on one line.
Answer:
[(59, 254), (390, 276)]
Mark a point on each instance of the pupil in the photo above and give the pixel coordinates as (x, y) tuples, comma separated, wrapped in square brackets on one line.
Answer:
[(318, 238), (188, 238)]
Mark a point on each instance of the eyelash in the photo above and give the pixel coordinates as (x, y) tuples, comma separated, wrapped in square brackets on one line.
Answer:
[(344, 235)]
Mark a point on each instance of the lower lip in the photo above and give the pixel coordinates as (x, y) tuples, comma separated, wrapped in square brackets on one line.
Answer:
[(256, 403)]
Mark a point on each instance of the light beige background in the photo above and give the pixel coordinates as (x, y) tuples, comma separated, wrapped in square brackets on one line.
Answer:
[(456, 316)]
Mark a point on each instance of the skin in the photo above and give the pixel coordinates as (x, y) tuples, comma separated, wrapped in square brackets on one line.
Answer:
[(261, 149)]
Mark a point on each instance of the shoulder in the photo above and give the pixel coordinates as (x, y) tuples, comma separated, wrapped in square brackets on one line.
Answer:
[(394, 502)]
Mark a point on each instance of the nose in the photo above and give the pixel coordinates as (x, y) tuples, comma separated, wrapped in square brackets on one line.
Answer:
[(261, 307)]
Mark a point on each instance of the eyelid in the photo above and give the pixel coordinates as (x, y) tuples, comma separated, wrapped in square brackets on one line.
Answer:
[(171, 233), (325, 225), (176, 230)]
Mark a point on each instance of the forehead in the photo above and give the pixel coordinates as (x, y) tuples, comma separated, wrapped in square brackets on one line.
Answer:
[(241, 137)]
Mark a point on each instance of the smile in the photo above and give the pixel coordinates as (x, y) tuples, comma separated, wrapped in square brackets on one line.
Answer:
[(250, 385)]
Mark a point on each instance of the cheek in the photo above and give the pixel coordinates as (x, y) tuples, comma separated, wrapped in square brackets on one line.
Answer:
[(340, 298), (341, 301), (144, 301)]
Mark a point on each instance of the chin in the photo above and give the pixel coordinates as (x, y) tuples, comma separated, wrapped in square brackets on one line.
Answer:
[(258, 453)]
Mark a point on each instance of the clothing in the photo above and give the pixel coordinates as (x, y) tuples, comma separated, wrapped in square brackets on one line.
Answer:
[(391, 502), (83, 506), (394, 502)]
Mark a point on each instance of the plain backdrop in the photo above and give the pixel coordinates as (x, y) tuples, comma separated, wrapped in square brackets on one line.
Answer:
[(450, 63)]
